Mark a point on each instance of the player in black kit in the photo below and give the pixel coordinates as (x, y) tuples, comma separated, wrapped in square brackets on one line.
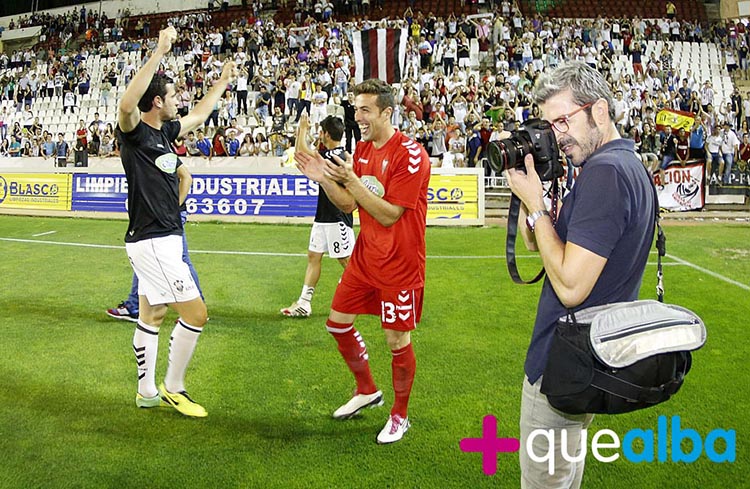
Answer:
[(332, 229), (146, 129)]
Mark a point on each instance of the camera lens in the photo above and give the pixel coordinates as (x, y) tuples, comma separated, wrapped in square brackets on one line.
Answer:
[(508, 153)]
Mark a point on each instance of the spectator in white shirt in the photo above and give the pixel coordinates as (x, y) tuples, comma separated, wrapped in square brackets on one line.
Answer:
[(730, 146), (621, 112), (707, 95)]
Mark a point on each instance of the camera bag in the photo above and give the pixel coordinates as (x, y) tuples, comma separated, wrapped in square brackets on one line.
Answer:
[(620, 357)]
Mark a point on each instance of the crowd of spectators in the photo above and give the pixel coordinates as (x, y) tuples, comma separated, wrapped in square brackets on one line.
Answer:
[(449, 103)]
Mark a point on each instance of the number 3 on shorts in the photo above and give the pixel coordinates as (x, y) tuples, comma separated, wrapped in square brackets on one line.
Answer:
[(400, 310), (388, 312)]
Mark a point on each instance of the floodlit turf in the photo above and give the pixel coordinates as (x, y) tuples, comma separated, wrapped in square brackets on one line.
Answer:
[(270, 384)]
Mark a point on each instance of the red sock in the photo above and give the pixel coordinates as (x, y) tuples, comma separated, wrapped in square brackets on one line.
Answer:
[(352, 348), (403, 365)]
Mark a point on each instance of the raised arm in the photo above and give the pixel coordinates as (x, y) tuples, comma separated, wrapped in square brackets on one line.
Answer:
[(128, 114), (203, 109), (302, 132)]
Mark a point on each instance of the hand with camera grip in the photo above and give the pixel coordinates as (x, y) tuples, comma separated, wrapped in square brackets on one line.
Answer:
[(527, 186)]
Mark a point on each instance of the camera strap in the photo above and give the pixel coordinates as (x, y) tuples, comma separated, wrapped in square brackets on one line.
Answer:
[(510, 240), (661, 242)]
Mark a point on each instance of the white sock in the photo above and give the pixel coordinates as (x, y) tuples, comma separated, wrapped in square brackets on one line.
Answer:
[(181, 348), (306, 294), (145, 348)]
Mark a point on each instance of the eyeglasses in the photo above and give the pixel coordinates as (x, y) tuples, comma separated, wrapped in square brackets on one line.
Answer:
[(561, 123)]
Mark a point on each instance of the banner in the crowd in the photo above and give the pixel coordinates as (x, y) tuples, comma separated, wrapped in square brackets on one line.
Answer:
[(379, 53), (239, 195), (683, 188), (453, 197), (677, 119), (737, 184), (46, 191)]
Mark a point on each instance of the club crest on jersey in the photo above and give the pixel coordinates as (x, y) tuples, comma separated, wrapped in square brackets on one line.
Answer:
[(373, 185), (384, 164), (167, 162)]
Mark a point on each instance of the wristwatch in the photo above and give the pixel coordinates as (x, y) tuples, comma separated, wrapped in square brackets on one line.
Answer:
[(534, 217)]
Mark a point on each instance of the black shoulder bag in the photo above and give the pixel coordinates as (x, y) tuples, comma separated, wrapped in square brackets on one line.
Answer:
[(621, 357)]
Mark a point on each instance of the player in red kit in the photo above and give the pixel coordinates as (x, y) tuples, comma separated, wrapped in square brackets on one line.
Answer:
[(387, 180)]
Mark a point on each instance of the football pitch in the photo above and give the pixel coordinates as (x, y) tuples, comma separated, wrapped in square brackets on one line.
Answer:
[(270, 383)]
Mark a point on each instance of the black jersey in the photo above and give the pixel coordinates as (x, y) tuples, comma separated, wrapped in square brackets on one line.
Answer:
[(153, 187), (326, 211)]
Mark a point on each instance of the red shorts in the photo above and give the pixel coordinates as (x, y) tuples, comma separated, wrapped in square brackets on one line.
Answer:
[(399, 309)]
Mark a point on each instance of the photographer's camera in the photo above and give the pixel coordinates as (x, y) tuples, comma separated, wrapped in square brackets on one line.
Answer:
[(535, 137)]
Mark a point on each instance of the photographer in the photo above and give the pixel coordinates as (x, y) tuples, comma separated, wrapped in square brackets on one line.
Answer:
[(595, 253)]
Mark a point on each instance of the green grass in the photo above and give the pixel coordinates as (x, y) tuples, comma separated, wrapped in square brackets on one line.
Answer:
[(67, 376)]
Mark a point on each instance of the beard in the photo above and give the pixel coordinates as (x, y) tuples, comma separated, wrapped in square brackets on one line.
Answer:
[(585, 147)]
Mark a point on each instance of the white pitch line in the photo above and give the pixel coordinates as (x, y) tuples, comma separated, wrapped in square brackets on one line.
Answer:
[(679, 261), (709, 272), (43, 234), (115, 247), (264, 253), (62, 243), (247, 253)]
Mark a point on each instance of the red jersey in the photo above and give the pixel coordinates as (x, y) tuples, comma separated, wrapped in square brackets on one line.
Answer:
[(81, 135), (744, 152), (399, 172), (682, 149), (218, 146)]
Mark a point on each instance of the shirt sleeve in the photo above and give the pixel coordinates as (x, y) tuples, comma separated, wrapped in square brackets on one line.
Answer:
[(134, 136), (410, 168), (172, 129), (601, 211)]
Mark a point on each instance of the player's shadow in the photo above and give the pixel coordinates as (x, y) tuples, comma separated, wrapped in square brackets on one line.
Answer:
[(118, 420)]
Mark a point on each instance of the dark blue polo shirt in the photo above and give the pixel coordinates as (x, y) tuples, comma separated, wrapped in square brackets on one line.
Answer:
[(610, 211)]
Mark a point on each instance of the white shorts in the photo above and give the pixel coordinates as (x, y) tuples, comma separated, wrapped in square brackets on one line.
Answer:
[(334, 238), (162, 275)]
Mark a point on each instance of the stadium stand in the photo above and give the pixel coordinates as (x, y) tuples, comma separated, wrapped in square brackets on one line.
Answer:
[(82, 66)]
